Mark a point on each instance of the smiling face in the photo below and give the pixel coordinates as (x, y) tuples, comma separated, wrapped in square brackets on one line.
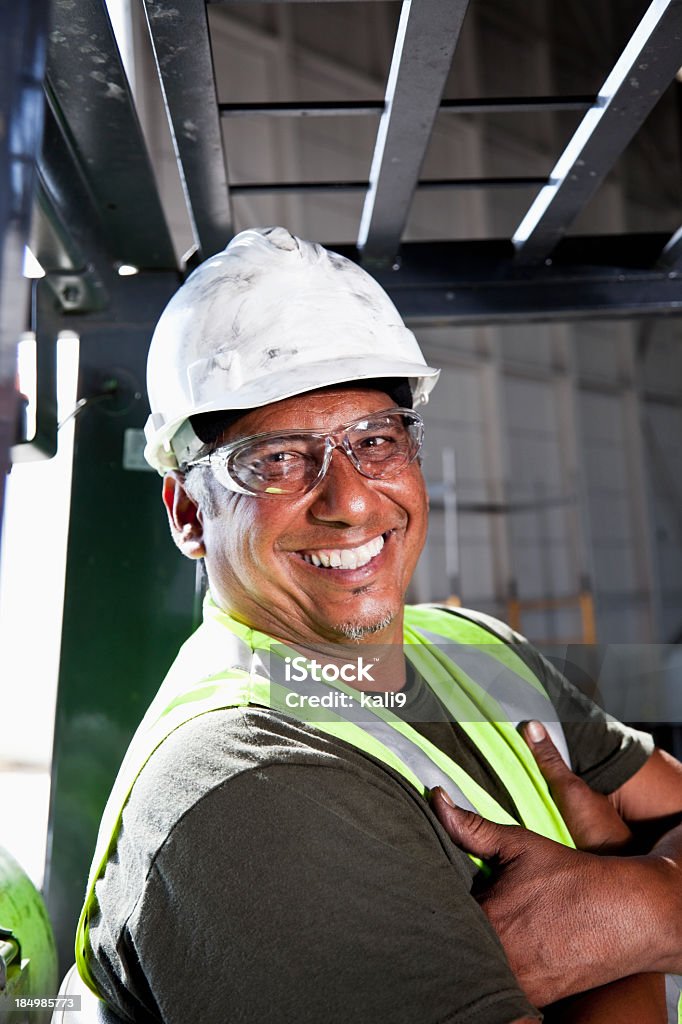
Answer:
[(331, 564)]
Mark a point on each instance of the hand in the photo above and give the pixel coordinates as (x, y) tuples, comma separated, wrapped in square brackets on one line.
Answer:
[(594, 823), (568, 920)]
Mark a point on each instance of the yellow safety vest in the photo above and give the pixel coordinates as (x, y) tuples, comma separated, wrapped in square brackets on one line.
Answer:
[(482, 682)]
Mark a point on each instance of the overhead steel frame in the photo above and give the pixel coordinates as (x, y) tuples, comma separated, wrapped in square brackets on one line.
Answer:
[(427, 37), (89, 95), (475, 282), (365, 108), (425, 44), (425, 185), (646, 67), (98, 201), (188, 83)]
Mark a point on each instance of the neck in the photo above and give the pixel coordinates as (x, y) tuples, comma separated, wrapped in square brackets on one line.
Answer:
[(372, 662)]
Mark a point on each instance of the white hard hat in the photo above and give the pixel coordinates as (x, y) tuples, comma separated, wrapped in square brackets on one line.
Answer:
[(269, 317)]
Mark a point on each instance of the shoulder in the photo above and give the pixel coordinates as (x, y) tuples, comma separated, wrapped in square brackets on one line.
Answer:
[(222, 746), (210, 766)]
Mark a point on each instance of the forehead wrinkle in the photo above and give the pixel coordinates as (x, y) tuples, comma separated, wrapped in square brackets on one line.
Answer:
[(264, 420)]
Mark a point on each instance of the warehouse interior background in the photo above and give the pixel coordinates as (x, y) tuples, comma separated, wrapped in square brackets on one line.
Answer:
[(565, 435), (553, 437)]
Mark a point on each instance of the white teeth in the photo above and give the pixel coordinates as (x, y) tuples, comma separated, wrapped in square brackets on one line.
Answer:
[(346, 558)]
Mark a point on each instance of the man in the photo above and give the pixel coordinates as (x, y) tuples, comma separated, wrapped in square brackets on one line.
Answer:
[(269, 851)]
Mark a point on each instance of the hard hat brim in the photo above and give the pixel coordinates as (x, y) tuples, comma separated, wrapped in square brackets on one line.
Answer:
[(169, 447)]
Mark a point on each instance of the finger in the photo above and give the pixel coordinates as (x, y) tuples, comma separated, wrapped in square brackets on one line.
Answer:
[(550, 762), (588, 815), (470, 831)]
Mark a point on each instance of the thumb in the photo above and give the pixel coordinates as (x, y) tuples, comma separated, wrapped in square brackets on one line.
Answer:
[(594, 824), (550, 762), (470, 831)]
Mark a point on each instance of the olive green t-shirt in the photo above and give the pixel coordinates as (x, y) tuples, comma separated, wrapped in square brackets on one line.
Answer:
[(268, 872)]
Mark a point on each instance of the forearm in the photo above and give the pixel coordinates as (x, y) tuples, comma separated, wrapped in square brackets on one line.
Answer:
[(638, 912), (639, 999), (639, 916), (615, 917)]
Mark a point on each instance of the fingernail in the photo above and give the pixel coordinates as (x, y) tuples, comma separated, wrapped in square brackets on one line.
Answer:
[(446, 796), (536, 732)]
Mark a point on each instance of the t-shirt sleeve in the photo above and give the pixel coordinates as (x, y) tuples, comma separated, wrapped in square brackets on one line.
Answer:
[(303, 893)]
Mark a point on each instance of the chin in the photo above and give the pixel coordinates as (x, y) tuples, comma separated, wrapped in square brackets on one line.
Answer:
[(357, 629)]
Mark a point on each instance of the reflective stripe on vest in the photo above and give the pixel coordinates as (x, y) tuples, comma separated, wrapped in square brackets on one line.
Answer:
[(519, 701), (226, 664), (673, 998)]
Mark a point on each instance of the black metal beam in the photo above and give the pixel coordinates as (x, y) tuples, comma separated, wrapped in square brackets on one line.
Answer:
[(478, 282), (91, 97), (425, 44), (516, 104), (65, 201), (365, 108), (180, 38), (316, 108), (646, 67), (429, 184)]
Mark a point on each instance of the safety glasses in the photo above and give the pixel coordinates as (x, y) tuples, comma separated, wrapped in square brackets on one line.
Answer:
[(289, 462)]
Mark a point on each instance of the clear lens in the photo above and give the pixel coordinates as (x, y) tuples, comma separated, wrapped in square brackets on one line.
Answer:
[(278, 465), (293, 462), (384, 446)]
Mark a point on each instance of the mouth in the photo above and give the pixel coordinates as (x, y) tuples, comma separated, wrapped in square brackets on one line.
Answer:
[(346, 559)]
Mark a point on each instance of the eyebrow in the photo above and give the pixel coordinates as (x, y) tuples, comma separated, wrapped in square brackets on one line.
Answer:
[(323, 431)]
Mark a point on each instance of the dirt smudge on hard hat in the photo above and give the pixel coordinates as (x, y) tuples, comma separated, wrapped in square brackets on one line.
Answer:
[(243, 280), (336, 261), (367, 300), (236, 325), (277, 353), (206, 288)]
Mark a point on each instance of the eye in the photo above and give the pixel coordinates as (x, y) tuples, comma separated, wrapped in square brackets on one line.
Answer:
[(376, 441), (277, 464), (274, 464), (276, 457)]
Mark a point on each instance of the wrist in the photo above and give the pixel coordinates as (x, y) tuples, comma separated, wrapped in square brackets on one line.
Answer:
[(656, 911), (668, 874)]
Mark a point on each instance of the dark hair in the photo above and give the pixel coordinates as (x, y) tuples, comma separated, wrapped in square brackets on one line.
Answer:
[(210, 426)]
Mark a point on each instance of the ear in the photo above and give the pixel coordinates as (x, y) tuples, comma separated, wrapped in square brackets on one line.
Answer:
[(184, 516)]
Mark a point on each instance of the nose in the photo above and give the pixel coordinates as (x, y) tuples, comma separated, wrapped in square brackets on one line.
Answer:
[(343, 495)]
